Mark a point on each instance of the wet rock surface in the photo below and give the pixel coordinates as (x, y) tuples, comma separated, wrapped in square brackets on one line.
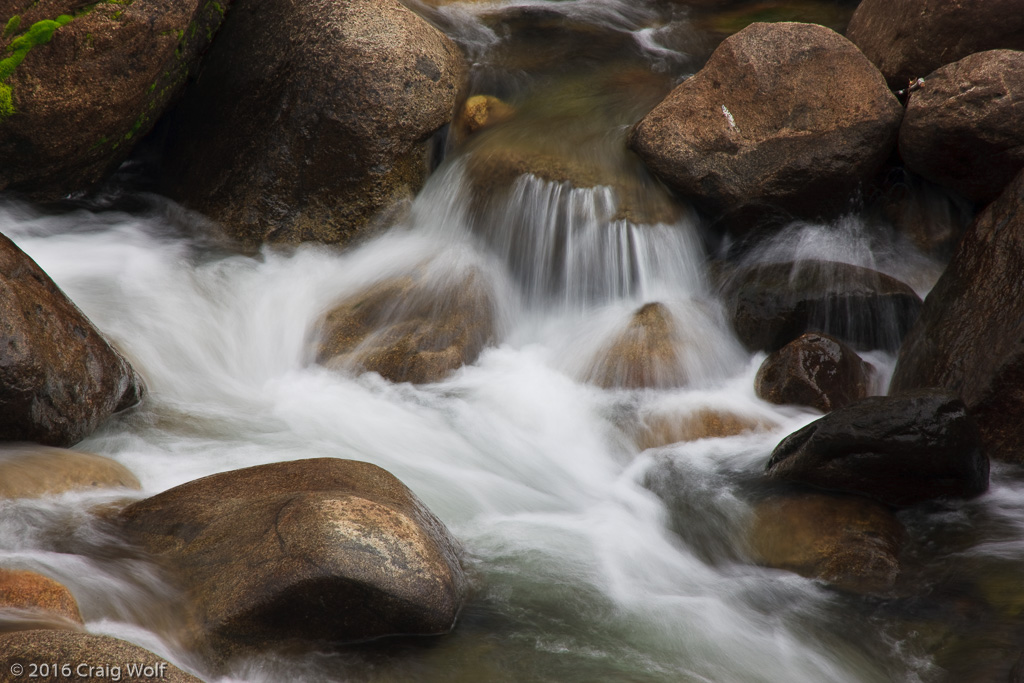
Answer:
[(663, 428), (962, 127), (900, 450), (410, 329), (968, 338), (321, 550), (310, 129), (849, 542), (30, 471), (773, 304), (814, 370), (59, 378), (910, 39), (25, 590), (91, 80), (643, 356), (784, 118)]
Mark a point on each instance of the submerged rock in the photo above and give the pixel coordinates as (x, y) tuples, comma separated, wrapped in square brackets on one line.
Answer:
[(909, 39), (664, 428), (410, 329), (310, 118), (773, 304), (962, 129), (59, 378), (87, 81), (87, 656), (32, 592), (850, 542), (479, 112), (900, 450), (814, 370), (970, 335), (321, 550), (785, 117), (646, 355), (30, 471)]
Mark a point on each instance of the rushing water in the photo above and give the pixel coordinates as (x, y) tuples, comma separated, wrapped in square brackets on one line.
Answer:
[(590, 559)]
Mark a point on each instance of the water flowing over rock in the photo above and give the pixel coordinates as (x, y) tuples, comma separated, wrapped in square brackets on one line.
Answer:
[(852, 543), (970, 335), (323, 550), (664, 428), (410, 329), (29, 471), (59, 378), (786, 118), (309, 119), (773, 304), (82, 83), (814, 370), (900, 450), (87, 657), (962, 128), (644, 356), (24, 590), (909, 39)]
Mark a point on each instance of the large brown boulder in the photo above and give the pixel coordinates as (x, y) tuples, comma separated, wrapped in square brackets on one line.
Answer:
[(32, 592), (87, 81), (852, 543), (962, 129), (784, 117), (900, 450), (86, 656), (646, 355), (772, 304), (322, 550), (813, 370), (414, 328), (909, 39), (30, 471), (969, 337), (308, 119), (59, 378)]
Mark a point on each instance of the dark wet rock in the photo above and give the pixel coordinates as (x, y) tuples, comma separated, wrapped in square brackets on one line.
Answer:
[(30, 471), (25, 590), (814, 370), (784, 119), (1017, 672), (850, 542), (969, 337), (771, 305), (411, 328), (309, 119), (909, 39), (930, 217), (962, 129), (93, 80), (900, 450), (664, 428), (646, 355), (59, 378), (724, 21), (88, 656), (311, 550)]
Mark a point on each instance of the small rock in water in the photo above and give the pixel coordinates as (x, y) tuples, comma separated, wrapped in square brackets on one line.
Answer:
[(646, 355), (86, 656), (773, 304), (31, 471), (962, 129), (321, 551), (900, 450), (410, 329), (664, 428), (814, 370), (25, 590), (481, 111), (852, 543)]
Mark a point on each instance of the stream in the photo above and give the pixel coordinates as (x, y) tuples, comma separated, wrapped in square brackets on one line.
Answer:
[(590, 559)]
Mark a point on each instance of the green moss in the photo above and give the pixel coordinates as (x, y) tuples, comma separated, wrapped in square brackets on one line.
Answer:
[(38, 34), (12, 26)]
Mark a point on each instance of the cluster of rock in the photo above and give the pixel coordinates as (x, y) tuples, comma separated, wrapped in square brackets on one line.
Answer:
[(336, 551)]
